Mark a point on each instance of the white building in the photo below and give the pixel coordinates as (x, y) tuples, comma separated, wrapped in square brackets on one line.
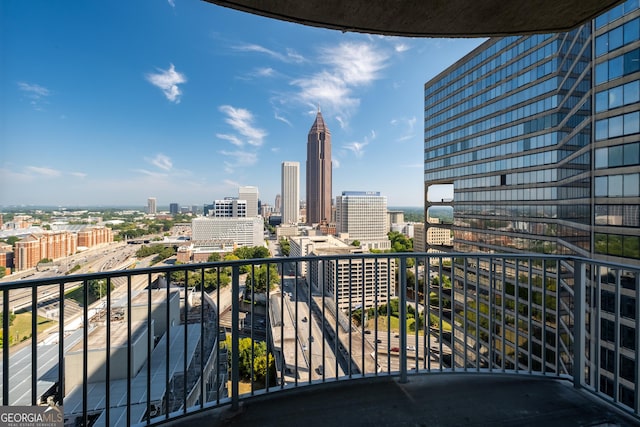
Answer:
[(229, 207), (250, 194), (304, 245), (290, 192), (242, 231), (151, 206), (362, 216), (357, 282)]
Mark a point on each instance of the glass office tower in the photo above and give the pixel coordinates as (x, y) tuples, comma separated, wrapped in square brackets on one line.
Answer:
[(539, 136)]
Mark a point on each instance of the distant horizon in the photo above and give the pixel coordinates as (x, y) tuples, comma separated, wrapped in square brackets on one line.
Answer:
[(125, 207)]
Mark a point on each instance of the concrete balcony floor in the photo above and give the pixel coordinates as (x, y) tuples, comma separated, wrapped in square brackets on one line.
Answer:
[(428, 400)]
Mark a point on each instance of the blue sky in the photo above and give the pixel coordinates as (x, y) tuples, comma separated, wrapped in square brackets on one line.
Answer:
[(112, 102)]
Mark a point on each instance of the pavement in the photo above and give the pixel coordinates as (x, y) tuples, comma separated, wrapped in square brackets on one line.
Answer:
[(425, 400)]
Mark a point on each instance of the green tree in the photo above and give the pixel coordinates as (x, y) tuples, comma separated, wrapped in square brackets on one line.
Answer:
[(3, 271), (285, 247), (98, 288), (214, 257), (260, 285), (263, 363), (356, 243)]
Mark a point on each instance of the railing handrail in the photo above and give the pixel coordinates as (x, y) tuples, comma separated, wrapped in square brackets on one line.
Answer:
[(543, 309)]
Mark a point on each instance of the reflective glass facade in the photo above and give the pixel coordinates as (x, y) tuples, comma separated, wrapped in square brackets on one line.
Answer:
[(540, 137)]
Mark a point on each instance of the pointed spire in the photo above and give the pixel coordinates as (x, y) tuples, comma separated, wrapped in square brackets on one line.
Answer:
[(319, 124)]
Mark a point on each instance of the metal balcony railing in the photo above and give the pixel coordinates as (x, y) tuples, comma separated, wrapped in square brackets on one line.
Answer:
[(143, 346)]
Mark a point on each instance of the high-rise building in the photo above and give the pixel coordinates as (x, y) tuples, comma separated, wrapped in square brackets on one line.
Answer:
[(50, 245), (151, 205), (174, 208), (290, 192), (539, 137), (278, 202), (363, 215), (230, 207), (318, 172), (250, 194)]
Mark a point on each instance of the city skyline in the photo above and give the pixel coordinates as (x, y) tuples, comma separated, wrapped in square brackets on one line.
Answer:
[(195, 100)]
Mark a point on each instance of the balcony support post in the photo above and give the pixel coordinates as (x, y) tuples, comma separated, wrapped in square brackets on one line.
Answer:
[(579, 288), (403, 319), (235, 347)]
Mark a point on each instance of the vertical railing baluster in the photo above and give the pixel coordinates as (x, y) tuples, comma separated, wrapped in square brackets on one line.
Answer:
[(129, 350), (403, 320), (375, 314), (34, 344), (167, 379), (477, 326), (283, 369), (440, 320), (253, 355), (465, 311), (185, 342), (503, 317), (295, 326), (491, 314), (636, 386), (616, 334), (61, 382), (235, 325), (558, 317), (107, 376), (217, 335), (529, 317), (85, 349), (350, 318), (363, 316), (203, 358), (150, 343), (516, 297), (5, 347), (579, 280), (266, 323), (543, 321)]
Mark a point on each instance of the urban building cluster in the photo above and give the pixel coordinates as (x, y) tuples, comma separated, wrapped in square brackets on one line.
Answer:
[(35, 243)]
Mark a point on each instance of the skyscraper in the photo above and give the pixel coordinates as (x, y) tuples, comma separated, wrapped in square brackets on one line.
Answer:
[(151, 205), (290, 192), (539, 137), (250, 194), (174, 208), (363, 215), (318, 172)]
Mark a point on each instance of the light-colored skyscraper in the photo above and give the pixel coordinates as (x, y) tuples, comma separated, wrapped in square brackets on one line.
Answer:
[(151, 206), (278, 203), (363, 215), (319, 172), (250, 194), (290, 192)]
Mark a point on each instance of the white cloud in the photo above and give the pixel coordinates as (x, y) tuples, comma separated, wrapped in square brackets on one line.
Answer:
[(157, 175), (161, 161), (357, 148), (265, 72), (44, 171), (291, 55), (36, 93), (408, 125), (239, 159), (34, 90), (401, 47), (242, 121), (355, 63), (335, 163), (168, 81), (81, 175), (172, 3), (231, 138), (349, 65), (282, 119)]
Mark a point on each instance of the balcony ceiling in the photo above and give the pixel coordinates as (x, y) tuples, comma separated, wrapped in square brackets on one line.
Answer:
[(430, 18)]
